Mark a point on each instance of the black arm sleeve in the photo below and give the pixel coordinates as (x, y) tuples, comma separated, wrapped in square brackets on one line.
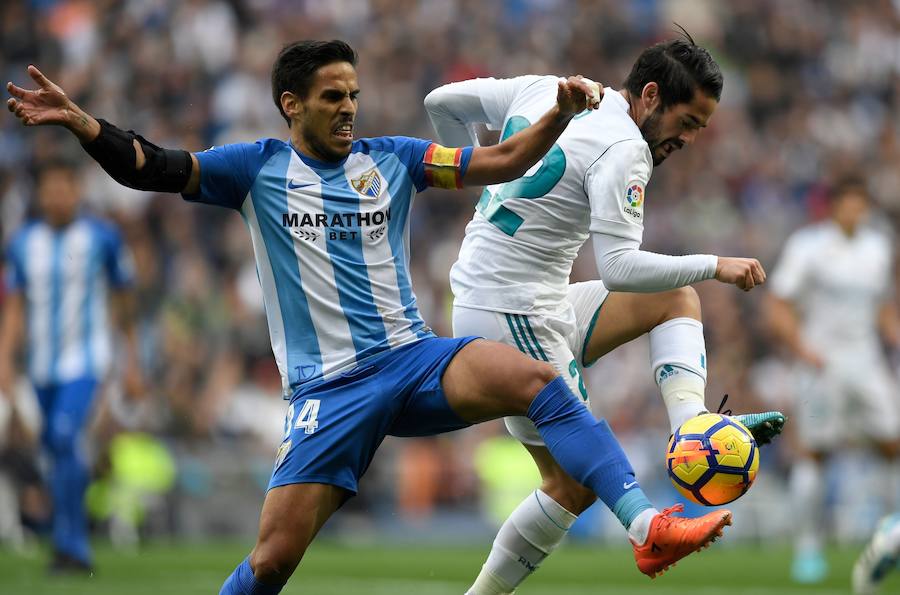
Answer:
[(165, 170)]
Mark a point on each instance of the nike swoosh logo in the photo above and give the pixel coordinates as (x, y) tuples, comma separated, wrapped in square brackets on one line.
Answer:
[(628, 486), (293, 186)]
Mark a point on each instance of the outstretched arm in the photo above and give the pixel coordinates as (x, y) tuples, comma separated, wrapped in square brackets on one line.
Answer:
[(129, 158), (615, 185), (455, 109), (512, 158), (623, 266)]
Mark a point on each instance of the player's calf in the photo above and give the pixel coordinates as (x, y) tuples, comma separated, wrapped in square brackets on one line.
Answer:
[(559, 485), (487, 380), (291, 517)]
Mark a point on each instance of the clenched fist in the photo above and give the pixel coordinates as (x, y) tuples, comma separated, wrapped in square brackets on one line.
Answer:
[(746, 273)]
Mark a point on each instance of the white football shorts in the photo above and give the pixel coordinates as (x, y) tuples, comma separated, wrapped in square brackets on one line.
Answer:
[(559, 340), (854, 396)]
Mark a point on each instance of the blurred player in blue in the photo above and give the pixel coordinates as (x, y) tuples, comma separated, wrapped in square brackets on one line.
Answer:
[(64, 271), (328, 218)]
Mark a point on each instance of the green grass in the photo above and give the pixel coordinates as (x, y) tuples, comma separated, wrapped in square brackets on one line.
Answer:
[(333, 569)]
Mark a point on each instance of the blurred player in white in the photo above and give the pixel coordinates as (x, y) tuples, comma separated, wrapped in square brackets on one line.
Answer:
[(511, 282), (830, 304), (879, 558)]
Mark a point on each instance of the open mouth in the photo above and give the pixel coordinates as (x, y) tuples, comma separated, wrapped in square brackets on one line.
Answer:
[(344, 131)]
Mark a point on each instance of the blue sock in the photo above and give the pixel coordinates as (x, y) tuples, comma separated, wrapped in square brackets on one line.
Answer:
[(242, 582), (587, 449)]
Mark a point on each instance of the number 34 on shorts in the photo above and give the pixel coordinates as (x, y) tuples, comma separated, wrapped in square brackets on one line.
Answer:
[(307, 420)]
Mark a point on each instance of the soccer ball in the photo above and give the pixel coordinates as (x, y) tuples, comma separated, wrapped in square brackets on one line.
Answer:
[(712, 459)]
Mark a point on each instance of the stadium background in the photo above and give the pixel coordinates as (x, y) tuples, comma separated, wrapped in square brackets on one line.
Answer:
[(811, 92)]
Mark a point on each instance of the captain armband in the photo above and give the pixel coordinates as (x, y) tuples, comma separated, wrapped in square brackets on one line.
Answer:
[(164, 170), (442, 167)]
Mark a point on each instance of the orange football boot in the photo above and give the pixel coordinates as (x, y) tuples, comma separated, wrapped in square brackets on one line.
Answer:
[(672, 538)]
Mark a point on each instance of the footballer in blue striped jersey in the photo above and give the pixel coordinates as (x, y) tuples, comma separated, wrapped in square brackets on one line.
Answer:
[(63, 270)]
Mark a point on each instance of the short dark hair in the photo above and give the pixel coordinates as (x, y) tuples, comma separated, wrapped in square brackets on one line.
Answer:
[(297, 63), (848, 185), (54, 163), (679, 67)]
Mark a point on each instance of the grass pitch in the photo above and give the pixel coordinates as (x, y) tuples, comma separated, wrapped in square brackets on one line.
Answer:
[(335, 569)]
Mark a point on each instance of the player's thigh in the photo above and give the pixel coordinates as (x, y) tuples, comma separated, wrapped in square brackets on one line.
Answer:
[(537, 337), (626, 316), (291, 517), (333, 429), (487, 380), (69, 416)]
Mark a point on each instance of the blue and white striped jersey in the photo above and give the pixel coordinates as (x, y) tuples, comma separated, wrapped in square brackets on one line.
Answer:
[(332, 245), (64, 275)]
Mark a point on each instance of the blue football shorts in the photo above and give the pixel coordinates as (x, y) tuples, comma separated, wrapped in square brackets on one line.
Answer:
[(333, 428)]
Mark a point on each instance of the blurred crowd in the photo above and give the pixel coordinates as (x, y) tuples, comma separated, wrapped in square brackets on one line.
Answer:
[(812, 91)]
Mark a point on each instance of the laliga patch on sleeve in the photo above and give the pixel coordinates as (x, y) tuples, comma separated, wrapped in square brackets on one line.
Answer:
[(633, 202)]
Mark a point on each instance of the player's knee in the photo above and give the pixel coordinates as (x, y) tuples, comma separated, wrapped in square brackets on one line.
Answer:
[(530, 380), (568, 493), (540, 374), (682, 303), (273, 562)]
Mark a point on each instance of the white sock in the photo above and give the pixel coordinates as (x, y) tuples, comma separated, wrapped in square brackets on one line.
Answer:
[(892, 535), (678, 360), (808, 491), (682, 392), (639, 529), (530, 534)]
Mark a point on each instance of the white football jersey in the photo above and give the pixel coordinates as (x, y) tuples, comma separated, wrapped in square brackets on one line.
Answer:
[(837, 283), (519, 247)]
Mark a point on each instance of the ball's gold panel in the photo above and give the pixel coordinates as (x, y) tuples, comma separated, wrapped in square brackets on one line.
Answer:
[(700, 424), (689, 462)]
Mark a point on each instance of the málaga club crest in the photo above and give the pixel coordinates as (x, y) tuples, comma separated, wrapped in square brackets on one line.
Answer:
[(368, 184)]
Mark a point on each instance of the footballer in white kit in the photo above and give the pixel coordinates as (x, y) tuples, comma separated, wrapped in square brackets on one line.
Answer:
[(511, 282), (831, 295), (838, 285)]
